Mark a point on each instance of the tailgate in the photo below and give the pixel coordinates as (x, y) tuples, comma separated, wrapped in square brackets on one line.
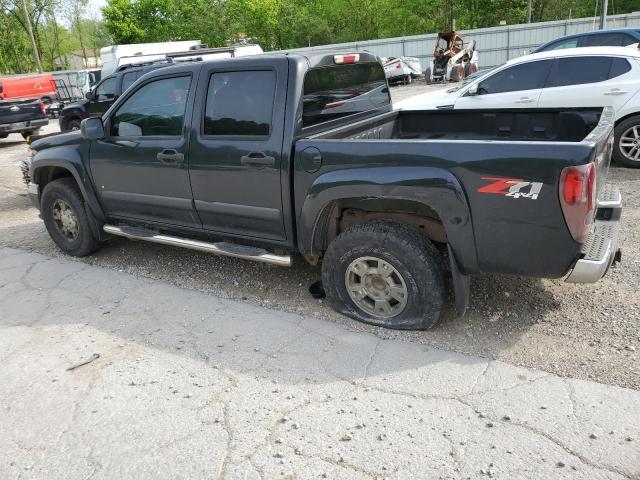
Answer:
[(13, 112), (602, 138)]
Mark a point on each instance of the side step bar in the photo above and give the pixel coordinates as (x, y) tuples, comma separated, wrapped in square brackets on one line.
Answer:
[(219, 248)]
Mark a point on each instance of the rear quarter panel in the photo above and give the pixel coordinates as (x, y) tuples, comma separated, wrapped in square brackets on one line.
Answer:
[(488, 232)]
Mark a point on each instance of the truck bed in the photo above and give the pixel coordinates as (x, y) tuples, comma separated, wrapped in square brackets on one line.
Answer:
[(560, 125), (467, 151)]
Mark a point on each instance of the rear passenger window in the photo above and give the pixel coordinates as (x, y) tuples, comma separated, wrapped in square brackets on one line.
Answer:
[(570, 43), (619, 66), (578, 70), (525, 76), (155, 109), (240, 103)]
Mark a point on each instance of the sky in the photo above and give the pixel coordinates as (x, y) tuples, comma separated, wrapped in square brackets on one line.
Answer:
[(94, 7)]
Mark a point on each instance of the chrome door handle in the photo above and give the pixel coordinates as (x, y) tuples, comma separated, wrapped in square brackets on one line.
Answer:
[(170, 156), (257, 159), (525, 100), (615, 92)]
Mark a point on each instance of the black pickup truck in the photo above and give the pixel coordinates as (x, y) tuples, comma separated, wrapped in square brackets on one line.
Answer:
[(21, 116), (260, 157)]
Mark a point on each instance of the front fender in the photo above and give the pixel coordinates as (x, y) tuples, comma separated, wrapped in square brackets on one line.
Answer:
[(68, 158), (432, 187)]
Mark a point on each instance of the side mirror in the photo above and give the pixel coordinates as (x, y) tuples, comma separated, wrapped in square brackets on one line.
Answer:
[(473, 89), (92, 129), (90, 95)]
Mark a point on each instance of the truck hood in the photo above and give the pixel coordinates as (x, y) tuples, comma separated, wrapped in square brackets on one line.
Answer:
[(429, 100), (62, 139), (79, 105)]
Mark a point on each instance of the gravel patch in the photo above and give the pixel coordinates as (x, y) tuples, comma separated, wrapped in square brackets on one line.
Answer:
[(581, 331)]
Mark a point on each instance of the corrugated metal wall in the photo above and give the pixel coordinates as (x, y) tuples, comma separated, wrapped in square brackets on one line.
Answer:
[(495, 45)]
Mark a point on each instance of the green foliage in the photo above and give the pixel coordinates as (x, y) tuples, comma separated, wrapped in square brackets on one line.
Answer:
[(62, 26)]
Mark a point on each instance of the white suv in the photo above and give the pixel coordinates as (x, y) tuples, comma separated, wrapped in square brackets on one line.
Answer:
[(577, 77)]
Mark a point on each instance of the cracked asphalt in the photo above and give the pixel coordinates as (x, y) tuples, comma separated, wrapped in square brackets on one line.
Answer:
[(190, 385)]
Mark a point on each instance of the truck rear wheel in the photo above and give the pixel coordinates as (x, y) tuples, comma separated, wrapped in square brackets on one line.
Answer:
[(64, 215), (386, 274)]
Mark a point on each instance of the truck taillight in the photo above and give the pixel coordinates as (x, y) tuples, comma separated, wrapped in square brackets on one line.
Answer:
[(344, 59), (398, 65), (43, 108), (578, 199)]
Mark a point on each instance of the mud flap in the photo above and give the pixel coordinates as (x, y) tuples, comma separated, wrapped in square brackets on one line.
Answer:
[(461, 285)]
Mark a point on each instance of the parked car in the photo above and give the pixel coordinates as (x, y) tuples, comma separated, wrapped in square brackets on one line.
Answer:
[(35, 87), (401, 69), (576, 77), (252, 158), (619, 37), (21, 116), (98, 100)]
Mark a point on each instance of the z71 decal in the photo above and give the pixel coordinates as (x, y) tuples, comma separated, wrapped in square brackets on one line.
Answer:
[(512, 187)]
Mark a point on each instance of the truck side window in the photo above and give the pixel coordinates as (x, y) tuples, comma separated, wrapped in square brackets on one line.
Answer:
[(570, 43), (524, 76), (578, 70), (240, 103), (128, 79), (156, 108), (106, 90)]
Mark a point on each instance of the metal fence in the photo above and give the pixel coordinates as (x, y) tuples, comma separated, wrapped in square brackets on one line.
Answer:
[(495, 45)]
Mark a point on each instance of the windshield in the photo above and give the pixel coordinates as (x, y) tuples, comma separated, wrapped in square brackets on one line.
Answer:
[(471, 78), (342, 90)]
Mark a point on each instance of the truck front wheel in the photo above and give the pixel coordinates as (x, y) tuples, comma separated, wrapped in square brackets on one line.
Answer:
[(64, 215), (386, 274)]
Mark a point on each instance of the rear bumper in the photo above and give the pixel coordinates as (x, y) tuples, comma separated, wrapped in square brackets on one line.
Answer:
[(600, 250), (23, 126)]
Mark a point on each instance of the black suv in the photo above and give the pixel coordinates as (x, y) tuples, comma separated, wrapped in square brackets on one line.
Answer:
[(106, 92)]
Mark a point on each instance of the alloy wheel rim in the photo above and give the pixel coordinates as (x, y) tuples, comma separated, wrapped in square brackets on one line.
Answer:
[(630, 143), (65, 219), (376, 287)]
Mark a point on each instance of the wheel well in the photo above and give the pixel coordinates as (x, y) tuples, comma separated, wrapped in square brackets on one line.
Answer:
[(622, 119), (342, 214), (45, 175), (69, 117)]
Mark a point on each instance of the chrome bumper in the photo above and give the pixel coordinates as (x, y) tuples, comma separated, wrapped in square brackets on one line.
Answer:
[(600, 250)]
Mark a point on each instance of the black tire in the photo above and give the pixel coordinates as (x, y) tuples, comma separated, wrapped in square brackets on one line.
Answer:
[(623, 127), (467, 69), (407, 80), (66, 190), (408, 251), (427, 76), (28, 134), (71, 124)]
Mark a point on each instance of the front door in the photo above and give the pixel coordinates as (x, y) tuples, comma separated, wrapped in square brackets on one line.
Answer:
[(236, 148), (105, 95), (517, 86), (140, 169)]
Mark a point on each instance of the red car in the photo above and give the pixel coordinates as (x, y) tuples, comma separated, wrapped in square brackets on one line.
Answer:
[(39, 86)]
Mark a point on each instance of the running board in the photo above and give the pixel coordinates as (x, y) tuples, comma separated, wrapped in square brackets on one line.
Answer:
[(219, 248)]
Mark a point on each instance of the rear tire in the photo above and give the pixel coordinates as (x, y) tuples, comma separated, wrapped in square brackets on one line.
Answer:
[(28, 134), (409, 290), (63, 211), (627, 142), (427, 76)]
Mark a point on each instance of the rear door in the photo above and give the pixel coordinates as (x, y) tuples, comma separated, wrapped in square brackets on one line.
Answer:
[(235, 153), (590, 81), (516, 86)]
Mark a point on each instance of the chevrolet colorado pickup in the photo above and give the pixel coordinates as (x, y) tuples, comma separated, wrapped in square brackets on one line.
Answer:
[(21, 116), (261, 157)]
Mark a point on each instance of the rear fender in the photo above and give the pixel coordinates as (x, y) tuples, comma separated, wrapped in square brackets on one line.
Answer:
[(434, 188)]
